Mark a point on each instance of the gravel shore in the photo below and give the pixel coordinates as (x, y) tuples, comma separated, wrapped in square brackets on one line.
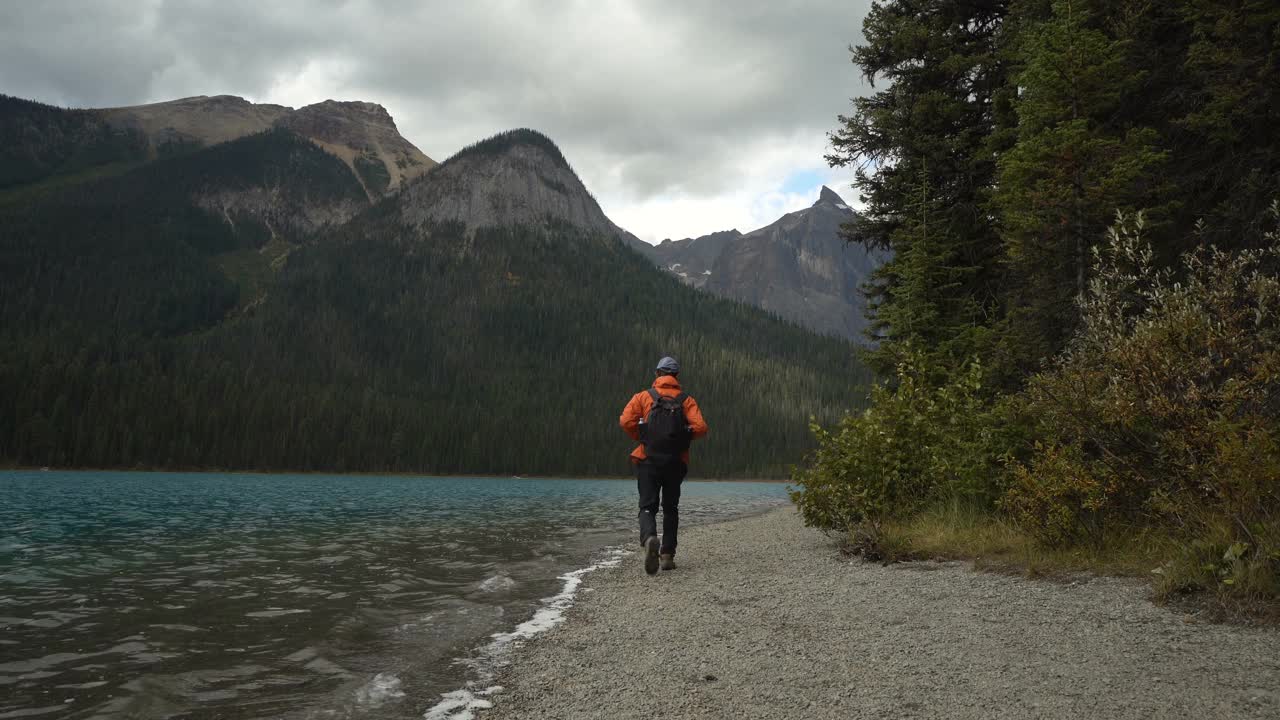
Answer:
[(764, 619)]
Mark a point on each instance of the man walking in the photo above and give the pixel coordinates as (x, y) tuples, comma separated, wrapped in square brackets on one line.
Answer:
[(664, 420)]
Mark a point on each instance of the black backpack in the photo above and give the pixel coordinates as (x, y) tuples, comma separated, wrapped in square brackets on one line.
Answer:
[(665, 432)]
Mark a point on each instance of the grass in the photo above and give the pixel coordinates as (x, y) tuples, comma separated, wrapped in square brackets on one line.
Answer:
[(960, 532), (1203, 575)]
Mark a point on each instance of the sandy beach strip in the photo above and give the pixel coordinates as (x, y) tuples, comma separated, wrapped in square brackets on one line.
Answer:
[(764, 619)]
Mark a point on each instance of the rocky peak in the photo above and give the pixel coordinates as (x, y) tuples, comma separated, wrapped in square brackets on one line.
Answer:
[(830, 197), (361, 134), (365, 137), (799, 267), (514, 178), (200, 120), (335, 121), (692, 259)]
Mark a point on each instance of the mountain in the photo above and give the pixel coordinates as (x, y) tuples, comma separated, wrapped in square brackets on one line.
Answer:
[(692, 259), (199, 120), (253, 181), (798, 268), (486, 318), (39, 141), (42, 142), (365, 137), (172, 247), (514, 178)]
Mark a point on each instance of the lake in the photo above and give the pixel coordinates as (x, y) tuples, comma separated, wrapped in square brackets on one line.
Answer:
[(205, 595)]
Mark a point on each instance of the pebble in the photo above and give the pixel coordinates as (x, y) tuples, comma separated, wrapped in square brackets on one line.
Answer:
[(764, 618)]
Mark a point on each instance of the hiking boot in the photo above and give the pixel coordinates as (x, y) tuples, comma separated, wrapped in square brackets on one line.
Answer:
[(651, 555), (667, 561)]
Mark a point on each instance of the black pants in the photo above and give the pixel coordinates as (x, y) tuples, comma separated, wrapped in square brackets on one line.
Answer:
[(654, 481)]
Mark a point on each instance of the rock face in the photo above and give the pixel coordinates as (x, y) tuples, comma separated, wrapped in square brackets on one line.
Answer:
[(198, 120), (290, 219), (692, 258), (798, 268), (514, 178), (272, 190), (363, 135)]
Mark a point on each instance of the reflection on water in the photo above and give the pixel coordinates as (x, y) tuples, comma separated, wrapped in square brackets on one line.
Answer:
[(242, 596)]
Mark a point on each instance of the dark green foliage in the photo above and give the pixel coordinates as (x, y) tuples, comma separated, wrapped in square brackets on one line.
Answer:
[(923, 147), (275, 159), (1010, 133), (38, 140), (1165, 406), (1078, 158), (1131, 385), (132, 255), (1226, 157), (178, 146), (452, 354), (373, 172), (915, 446)]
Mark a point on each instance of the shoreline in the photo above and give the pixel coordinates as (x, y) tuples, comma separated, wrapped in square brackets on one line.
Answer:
[(488, 662), (764, 618), (424, 476)]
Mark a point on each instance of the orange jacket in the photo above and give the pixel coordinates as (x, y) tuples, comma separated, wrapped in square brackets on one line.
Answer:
[(642, 402)]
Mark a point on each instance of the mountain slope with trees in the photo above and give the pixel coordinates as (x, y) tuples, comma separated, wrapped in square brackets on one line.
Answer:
[(38, 141), (143, 327)]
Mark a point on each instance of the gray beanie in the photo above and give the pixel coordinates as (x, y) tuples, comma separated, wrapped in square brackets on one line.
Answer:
[(669, 364)]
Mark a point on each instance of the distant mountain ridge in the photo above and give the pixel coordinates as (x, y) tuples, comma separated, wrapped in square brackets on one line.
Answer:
[(799, 267), (43, 141), (202, 119), (362, 134)]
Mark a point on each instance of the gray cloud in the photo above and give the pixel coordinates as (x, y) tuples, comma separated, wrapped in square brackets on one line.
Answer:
[(645, 97)]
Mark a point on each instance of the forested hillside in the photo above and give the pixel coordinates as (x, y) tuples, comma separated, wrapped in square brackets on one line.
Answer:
[(38, 141), (1078, 322), (146, 256), (145, 326)]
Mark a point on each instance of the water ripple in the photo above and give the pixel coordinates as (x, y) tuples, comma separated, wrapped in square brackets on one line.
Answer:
[(146, 595)]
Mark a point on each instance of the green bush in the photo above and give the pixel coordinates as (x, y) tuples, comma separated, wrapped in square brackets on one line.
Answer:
[(915, 444), (1165, 410), (1058, 496)]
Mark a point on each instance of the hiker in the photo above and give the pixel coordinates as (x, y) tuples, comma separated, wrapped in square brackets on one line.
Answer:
[(664, 420)]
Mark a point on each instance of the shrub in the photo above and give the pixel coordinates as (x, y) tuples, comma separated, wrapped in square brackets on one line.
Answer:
[(1059, 497), (1164, 408), (915, 444)]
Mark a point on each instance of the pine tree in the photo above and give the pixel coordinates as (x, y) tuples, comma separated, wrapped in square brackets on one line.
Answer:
[(1225, 136), (1077, 160), (922, 146)]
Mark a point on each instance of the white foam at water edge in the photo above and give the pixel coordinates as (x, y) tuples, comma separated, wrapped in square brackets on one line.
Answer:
[(461, 704), (383, 687), (497, 583)]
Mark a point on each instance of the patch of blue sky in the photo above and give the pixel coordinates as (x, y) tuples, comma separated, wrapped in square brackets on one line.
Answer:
[(803, 182)]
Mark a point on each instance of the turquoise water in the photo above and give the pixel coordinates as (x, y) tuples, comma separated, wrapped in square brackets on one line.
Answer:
[(148, 595)]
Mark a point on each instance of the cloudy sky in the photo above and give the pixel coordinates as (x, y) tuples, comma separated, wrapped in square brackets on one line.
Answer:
[(683, 117)]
